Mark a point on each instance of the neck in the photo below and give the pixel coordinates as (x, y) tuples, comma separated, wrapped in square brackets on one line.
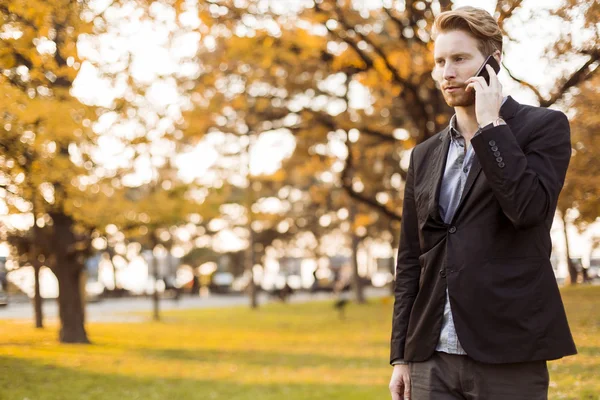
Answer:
[(466, 121)]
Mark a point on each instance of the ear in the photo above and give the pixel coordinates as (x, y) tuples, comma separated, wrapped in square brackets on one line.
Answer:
[(498, 56)]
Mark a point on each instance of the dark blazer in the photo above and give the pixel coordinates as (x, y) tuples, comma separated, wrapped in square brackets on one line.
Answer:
[(494, 256)]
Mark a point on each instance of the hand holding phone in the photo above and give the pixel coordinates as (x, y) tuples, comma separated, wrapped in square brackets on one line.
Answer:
[(483, 72), (488, 98)]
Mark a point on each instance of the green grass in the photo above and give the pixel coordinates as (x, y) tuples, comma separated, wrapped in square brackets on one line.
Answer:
[(284, 352)]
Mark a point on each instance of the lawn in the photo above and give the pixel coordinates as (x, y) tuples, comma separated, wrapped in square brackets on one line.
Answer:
[(283, 352)]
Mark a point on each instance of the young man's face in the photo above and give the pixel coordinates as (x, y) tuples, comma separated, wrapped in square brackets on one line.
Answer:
[(457, 58)]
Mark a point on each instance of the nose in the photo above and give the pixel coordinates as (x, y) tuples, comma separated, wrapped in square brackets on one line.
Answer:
[(449, 72)]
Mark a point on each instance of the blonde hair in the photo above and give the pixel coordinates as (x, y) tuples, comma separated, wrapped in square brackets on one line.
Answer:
[(475, 21)]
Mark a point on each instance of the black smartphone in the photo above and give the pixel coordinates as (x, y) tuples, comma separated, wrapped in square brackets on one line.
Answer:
[(483, 70)]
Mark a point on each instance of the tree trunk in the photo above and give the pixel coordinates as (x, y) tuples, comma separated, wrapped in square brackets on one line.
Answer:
[(68, 269), (83, 276), (249, 260), (357, 286), (249, 255), (111, 255), (34, 258), (37, 297), (571, 266), (155, 296), (70, 306)]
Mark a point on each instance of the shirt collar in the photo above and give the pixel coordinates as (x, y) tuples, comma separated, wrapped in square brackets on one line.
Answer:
[(454, 133)]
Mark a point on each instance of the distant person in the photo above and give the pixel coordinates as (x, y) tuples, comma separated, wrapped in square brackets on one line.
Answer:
[(195, 289), (477, 309), (315, 285), (282, 294), (340, 289)]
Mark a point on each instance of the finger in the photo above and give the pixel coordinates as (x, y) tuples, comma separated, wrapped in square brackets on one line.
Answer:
[(477, 86), (407, 390), (494, 83), (480, 84), (491, 71), (479, 79), (406, 379), (396, 389)]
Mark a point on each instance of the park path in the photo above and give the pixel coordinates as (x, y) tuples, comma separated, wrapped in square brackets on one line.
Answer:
[(129, 309)]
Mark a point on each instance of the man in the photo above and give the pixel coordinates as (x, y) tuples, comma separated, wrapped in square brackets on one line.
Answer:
[(477, 309)]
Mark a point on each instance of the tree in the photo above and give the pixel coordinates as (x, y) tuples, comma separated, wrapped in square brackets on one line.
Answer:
[(46, 138), (156, 210), (579, 92), (26, 249), (582, 186), (301, 70)]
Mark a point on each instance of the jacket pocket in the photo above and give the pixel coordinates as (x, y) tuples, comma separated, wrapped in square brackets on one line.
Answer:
[(510, 289), (514, 275)]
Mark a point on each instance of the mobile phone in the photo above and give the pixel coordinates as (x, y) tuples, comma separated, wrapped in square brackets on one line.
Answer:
[(483, 70)]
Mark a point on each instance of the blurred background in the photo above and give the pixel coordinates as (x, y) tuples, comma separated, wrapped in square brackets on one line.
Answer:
[(221, 152)]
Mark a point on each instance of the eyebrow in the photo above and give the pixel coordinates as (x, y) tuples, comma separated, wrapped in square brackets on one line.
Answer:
[(454, 55)]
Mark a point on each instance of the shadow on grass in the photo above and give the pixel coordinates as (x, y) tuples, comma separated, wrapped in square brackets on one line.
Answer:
[(262, 358), (20, 379)]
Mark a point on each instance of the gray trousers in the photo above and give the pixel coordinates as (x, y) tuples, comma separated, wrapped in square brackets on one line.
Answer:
[(449, 377)]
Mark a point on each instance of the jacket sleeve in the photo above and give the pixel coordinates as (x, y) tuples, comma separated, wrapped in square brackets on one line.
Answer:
[(526, 182), (408, 270)]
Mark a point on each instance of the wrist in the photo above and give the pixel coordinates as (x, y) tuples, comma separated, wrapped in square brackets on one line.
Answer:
[(492, 122), (488, 119)]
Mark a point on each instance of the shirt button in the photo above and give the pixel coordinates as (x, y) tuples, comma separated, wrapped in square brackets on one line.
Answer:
[(452, 229), (443, 273), (494, 148), (501, 165), (466, 170), (492, 143), (499, 159)]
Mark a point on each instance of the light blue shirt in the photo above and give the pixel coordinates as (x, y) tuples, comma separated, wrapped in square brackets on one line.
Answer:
[(458, 165)]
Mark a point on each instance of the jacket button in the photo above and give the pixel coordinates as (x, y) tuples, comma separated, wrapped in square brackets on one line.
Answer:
[(499, 159), (495, 148), (496, 154), (443, 273), (492, 142), (452, 229), (501, 165)]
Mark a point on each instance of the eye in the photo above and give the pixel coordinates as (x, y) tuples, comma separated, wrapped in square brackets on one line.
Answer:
[(439, 62), (459, 58)]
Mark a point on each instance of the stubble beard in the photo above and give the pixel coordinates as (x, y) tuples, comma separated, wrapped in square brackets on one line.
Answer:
[(462, 99)]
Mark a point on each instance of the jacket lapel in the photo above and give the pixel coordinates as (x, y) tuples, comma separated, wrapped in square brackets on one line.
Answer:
[(436, 172), (507, 111), (473, 174)]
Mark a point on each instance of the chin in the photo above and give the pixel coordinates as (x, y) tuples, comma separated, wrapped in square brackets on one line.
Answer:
[(462, 100)]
